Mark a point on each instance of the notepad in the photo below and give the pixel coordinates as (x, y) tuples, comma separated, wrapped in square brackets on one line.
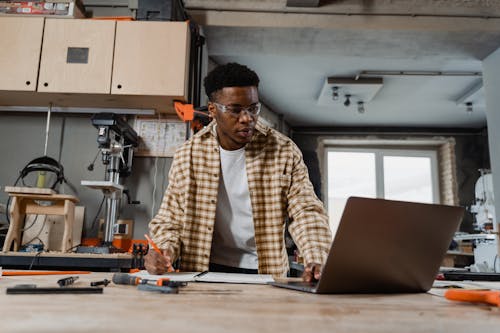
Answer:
[(209, 277)]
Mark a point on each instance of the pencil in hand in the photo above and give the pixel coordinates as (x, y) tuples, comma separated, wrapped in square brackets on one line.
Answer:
[(155, 247)]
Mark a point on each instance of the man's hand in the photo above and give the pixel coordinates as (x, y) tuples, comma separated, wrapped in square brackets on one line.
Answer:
[(312, 272), (158, 264)]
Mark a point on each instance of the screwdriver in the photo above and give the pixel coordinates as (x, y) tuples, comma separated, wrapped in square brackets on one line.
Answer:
[(481, 296), (124, 278)]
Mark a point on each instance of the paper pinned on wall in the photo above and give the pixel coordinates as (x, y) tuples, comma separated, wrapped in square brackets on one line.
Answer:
[(159, 137)]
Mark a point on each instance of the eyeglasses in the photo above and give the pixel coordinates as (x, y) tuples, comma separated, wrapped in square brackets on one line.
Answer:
[(235, 111)]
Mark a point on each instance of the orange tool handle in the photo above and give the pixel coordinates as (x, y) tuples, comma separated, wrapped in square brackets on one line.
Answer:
[(483, 296), (162, 282)]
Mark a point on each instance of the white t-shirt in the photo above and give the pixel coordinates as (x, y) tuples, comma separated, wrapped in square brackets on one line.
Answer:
[(233, 242)]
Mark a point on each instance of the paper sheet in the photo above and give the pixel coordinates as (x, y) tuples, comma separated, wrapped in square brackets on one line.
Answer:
[(209, 277), (181, 277), (234, 278), (159, 137), (494, 285), (439, 287)]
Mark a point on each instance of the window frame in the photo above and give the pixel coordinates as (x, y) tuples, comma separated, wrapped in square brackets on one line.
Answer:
[(444, 162), (380, 153)]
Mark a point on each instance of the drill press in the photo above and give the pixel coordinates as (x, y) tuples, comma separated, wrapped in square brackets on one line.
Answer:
[(116, 140)]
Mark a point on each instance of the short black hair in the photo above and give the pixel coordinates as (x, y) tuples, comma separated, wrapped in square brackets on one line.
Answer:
[(229, 75)]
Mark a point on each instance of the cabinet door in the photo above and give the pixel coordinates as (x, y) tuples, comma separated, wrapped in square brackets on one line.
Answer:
[(77, 56), (20, 43), (151, 58)]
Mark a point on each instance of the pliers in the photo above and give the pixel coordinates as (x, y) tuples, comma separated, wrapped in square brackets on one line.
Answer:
[(482, 296)]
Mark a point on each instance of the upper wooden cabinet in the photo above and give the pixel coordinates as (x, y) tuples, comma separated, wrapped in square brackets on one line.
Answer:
[(20, 40), (151, 58), (93, 63), (77, 56)]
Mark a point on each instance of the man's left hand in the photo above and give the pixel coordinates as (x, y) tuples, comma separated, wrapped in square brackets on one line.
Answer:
[(312, 272)]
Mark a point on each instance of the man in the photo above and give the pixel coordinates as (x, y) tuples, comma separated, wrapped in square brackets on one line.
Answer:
[(231, 188)]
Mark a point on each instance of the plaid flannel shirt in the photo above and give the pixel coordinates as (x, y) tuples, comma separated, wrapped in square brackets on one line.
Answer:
[(279, 186)]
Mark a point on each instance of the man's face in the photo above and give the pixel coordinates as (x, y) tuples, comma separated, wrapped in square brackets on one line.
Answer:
[(235, 129)]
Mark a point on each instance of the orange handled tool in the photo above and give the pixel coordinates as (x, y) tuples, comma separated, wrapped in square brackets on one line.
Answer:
[(482, 296), (124, 278), (160, 282)]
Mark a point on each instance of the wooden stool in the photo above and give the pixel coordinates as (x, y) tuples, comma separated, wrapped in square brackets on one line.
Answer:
[(22, 204)]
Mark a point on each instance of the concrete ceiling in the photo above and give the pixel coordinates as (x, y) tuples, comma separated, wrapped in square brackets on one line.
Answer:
[(295, 49)]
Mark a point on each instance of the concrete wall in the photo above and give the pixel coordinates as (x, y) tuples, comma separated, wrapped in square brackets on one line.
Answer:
[(73, 143), (471, 151)]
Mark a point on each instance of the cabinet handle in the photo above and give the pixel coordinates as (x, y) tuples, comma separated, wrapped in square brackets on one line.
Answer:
[(28, 83), (45, 84), (119, 86)]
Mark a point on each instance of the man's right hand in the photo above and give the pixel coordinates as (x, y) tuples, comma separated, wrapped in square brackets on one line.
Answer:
[(312, 272), (158, 264)]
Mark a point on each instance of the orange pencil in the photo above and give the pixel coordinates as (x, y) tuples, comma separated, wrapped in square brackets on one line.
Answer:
[(19, 273), (155, 247)]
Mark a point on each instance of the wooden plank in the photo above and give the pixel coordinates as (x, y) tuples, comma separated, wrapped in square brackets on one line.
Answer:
[(162, 104), (28, 190), (52, 197), (57, 254), (26, 273)]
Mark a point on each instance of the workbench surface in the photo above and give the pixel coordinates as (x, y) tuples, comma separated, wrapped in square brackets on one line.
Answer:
[(212, 307)]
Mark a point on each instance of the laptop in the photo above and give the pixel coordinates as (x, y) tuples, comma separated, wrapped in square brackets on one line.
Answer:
[(385, 246)]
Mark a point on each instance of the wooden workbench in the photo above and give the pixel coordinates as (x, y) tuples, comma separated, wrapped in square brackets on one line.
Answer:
[(219, 308)]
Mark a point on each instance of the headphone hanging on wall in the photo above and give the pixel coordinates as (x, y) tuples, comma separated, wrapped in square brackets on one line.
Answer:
[(45, 163)]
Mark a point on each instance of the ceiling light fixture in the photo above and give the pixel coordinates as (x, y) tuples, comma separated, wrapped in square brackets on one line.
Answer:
[(361, 107), (418, 73), (363, 89), (335, 93), (469, 108), (473, 94), (347, 100)]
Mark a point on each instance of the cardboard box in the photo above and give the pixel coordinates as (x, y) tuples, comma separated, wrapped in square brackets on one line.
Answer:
[(54, 8)]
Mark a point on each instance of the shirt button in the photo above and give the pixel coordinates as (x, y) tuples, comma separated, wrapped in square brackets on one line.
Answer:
[(209, 228), (212, 201), (205, 255), (216, 175), (216, 149)]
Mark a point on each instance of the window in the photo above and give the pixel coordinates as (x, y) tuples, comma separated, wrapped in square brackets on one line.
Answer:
[(397, 174)]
